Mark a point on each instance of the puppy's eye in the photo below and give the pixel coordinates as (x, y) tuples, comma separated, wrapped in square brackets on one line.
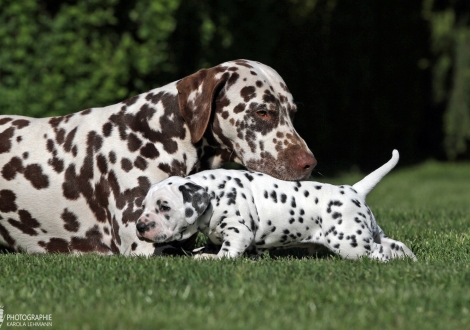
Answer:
[(164, 208)]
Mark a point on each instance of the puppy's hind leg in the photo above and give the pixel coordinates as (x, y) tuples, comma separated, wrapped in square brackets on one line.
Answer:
[(398, 249), (379, 252)]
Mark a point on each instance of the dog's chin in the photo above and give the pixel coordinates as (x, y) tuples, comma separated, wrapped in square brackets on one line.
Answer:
[(282, 174), (160, 238)]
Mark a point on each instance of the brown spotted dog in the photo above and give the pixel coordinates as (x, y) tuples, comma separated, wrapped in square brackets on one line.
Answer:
[(76, 183)]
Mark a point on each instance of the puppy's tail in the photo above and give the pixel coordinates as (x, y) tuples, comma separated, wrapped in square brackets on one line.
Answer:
[(364, 186)]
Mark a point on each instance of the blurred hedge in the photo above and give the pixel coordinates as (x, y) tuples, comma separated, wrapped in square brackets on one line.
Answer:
[(60, 58)]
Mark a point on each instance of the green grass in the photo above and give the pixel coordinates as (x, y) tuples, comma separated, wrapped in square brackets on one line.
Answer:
[(426, 207)]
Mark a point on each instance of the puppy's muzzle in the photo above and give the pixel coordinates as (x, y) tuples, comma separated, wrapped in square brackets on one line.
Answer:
[(142, 227)]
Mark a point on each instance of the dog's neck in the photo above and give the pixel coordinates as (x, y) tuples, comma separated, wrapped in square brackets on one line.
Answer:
[(204, 220), (212, 154)]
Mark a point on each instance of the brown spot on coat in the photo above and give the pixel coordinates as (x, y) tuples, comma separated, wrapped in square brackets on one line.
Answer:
[(50, 145), (7, 201), (55, 121), (69, 140), (5, 139), (20, 123), (149, 151), (60, 133), (33, 173), (112, 157), (107, 129), (94, 140), (175, 168), (115, 231), (71, 220), (131, 215), (126, 164), (243, 63), (67, 117), (6, 236), (26, 224), (5, 120), (92, 242), (222, 102), (131, 100), (56, 245), (239, 108), (141, 163), (9, 170), (269, 97), (69, 186), (102, 163), (133, 142), (248, 92), (57, 164), (233, 79)]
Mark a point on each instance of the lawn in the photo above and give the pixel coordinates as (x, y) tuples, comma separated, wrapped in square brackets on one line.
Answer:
[(427, 207)]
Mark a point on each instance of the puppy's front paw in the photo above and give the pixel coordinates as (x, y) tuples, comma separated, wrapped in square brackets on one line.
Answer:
[(205, 256)]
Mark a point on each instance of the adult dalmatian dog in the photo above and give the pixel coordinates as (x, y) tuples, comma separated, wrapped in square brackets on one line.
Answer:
[(246, 211), (76, 183)]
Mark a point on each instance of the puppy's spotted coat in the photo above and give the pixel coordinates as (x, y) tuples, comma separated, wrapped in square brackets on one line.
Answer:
[(242, 210), (76, 183)]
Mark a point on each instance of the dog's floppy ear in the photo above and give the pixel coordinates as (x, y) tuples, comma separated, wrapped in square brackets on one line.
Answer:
[(196, 200), (196, 94)]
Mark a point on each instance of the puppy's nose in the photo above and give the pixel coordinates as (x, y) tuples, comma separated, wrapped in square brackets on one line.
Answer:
[(142, 227)]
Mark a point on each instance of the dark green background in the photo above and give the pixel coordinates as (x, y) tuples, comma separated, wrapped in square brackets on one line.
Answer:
[(368, 75)]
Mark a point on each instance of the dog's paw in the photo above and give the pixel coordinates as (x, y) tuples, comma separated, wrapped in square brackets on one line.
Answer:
[(205, 256)]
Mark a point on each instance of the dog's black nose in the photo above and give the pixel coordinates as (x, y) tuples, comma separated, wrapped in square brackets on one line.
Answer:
[(142, 227)]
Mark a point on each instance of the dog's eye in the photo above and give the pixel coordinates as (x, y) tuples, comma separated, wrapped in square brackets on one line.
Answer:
[(263, 114), (164, 208)]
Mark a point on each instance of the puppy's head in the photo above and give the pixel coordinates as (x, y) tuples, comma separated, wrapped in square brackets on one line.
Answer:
[(170, 207)]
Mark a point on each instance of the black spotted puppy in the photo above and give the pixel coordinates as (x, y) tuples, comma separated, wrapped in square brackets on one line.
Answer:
[(242, 210)]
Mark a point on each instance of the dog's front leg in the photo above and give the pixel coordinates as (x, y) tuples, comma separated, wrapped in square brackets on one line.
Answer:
[(237, 237)]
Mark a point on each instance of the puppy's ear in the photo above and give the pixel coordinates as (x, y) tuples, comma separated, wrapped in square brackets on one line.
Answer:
[(196, 200)]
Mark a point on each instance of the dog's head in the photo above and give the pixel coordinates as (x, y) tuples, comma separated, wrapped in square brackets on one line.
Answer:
[(248, 109), (170, 208)]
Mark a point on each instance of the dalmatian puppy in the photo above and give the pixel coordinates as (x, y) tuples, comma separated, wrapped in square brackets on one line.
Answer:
[(248, 211)]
